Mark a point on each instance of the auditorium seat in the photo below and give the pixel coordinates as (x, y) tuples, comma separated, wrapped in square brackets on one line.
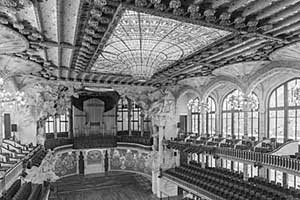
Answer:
[(230, 185), (12, 190), (23, 192)]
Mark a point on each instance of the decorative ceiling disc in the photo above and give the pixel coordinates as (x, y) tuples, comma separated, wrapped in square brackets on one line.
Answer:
[(11, 65), (289, 53), (11, 41), (241, 69)]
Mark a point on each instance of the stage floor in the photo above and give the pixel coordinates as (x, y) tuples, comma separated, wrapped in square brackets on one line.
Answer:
[(110, 186)]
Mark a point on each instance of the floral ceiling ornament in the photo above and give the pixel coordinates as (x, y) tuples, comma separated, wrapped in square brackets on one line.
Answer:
[(175, 4), (100, 3), (8, 98), (54, 100), (141, 3), (194, 11), (15, 4), (155, 1), (160, 7)]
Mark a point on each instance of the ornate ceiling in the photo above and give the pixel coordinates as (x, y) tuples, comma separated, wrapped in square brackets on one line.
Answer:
[(106, 41)]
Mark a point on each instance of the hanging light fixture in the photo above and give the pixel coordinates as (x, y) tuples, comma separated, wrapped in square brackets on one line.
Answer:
[(241, 101), (7, 98), (295, 94)]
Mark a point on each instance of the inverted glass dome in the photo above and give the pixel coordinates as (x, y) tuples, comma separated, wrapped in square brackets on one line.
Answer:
[(142, 44)]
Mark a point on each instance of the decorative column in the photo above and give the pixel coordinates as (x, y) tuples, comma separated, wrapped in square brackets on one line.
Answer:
[(246, 111), (218, 161), (203, 121), (142, 115), (245, 171), (262, 123), (161, 138), (129, 116), (1, 128), (218, 121)]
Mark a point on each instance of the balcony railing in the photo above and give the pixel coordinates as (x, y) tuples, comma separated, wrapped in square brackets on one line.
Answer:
[(99, 141), (94, 141), (283, 162)]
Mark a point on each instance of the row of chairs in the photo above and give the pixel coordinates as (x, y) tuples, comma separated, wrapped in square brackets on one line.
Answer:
[(14, 188), (233, 188), (275, 187), (221, 172), (26, 191)]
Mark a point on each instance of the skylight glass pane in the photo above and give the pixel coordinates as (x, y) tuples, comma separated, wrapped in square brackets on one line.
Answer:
[(143, 44)]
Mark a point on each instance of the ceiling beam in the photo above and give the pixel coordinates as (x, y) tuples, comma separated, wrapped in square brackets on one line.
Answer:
[(38, 15), (59, 14)]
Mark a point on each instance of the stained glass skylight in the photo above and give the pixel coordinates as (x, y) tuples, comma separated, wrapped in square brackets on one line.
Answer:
[(142, 44)]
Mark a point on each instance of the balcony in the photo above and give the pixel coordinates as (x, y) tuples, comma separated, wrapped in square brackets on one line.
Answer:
[(290, 165), (99, 141)]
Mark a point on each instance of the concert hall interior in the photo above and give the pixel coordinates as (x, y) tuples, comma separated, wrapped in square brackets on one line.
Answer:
[(149, 99)]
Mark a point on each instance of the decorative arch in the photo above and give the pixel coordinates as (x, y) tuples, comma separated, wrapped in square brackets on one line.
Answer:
[(219, 81), (183, 99), (271, 70)]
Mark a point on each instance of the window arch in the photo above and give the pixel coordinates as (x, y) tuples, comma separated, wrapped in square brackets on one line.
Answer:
[(57, 125), (193, 106), (129, 117), (122, 115), (284, 112), (210, 116), (233, 119)]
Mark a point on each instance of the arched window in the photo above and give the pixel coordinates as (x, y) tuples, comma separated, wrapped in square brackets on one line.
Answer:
[(284, 112), (135, 117), (232, 118), (211, 116), (122, 120), (57, 125), (128, 113), (193, 106)]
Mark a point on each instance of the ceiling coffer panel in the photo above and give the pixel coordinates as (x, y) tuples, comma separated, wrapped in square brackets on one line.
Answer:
[(151, 42)]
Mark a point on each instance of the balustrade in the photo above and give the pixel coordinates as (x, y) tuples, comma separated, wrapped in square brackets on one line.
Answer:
[(98, 141), (288, 163)]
